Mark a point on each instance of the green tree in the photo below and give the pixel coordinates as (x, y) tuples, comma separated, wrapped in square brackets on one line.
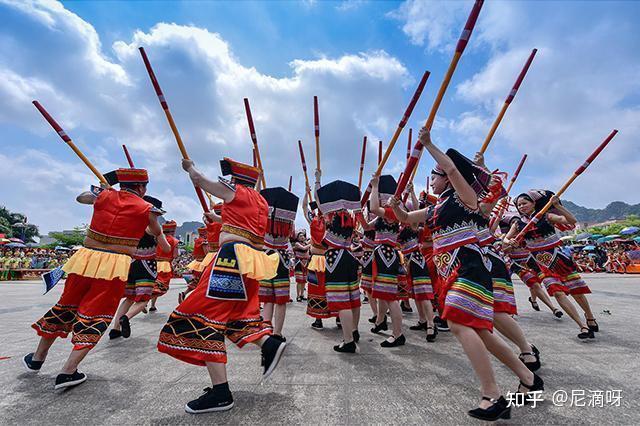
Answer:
[(70, 239), (8, 222)]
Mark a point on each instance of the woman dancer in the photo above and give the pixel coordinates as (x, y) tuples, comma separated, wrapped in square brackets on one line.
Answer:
[(301, 249), (387, 264), (467, 286), (561, 276)]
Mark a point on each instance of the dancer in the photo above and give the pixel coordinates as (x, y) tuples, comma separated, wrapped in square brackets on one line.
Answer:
[(316, 292), (561, 277), (164, 260), (141, 280), (387, 265), (522, 263), (195, 267), (274, 292), (227, 306), (339, 202), (467, 288), (97, 273), (301, 249)]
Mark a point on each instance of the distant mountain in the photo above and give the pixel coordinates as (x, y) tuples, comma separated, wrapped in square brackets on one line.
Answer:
[(614, 211), (188, 227)]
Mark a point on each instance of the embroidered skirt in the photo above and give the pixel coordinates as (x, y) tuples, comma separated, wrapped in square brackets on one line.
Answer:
[(162, 284), (226, 305), (366, 277), (276, 290), (466, 287), (560, 273), (386, 273), (141, 281), (418, 276), (341, 280), (300, 271), (316, 291), (526, 269), (504, 299), (85, 309)]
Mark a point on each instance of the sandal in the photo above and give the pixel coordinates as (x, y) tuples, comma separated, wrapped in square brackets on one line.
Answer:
[(531, 365), (534, 304)]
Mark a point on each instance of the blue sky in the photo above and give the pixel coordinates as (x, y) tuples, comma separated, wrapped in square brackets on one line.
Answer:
[(363, 59)]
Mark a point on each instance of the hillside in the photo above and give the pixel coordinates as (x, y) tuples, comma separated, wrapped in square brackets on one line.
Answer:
[(615, 210)]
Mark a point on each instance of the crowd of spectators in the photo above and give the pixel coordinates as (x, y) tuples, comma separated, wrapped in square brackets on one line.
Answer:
[(611, 257), (15, 261)]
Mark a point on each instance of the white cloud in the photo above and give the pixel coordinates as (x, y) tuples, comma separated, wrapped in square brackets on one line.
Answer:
[(104, 99), (583, 83)]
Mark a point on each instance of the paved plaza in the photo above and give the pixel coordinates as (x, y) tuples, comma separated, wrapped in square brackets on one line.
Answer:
[(130, 382)]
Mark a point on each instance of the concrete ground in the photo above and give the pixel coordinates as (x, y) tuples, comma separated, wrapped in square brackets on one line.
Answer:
[(131, 382)]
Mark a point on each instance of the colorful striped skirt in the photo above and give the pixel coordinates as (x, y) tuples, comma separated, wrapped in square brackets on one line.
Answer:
[(316, 292), (141, 280), (560, 273), (504, 299), (466, 288), (341, 280), (387, 272), (418, 277), (366, 278), (276, 289)]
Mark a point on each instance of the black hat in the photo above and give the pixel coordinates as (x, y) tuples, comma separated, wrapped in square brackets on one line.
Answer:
[(476, 176), (283, 204), (338, 195), (157, 204), (386, 187)]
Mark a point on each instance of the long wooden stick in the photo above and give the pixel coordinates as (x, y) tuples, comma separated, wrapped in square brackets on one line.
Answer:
[(126, 154), (172, 124), (316, 127), (304, 170), (253, 154), (462, 44), (290, 182), (63, 135), (364, 152), (409, 143), (564, 187), (507, 102), (396, 135), (504, 203), (254, 139), (379, 153)]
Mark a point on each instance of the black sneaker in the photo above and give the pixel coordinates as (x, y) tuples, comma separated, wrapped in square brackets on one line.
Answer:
[(441, 324), (31, 364), (272, 351), (125, 326), (348, 348), (210, 402), (69, 380), (114, 334), (317, 323), (399, 341)]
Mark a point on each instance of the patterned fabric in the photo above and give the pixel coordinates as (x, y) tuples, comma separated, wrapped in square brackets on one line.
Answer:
[(162, 284), (386, 270), (541, 237), (195, 331), (276, 290), (225, 281), (560, 273), (418, 276), (85, 309), (300, 273), (451, 222), (141, 281), (366, 277), (467, 289), (503, 297), (317, 295), (341, 280)]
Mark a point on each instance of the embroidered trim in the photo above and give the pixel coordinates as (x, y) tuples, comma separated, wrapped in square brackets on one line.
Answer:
[(122, 241), (230, 229)]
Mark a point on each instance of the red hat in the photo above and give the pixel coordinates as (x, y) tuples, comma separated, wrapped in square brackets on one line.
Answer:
[(241, 173), (202, 232), (169, 226), (127, 176)]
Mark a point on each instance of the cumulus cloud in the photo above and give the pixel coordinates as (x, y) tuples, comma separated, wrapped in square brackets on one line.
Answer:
[(583, 83), (103, 98)]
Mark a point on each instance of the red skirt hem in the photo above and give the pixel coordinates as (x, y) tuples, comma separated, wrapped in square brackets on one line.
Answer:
[(580, 290), (455, 315), (507, 308)]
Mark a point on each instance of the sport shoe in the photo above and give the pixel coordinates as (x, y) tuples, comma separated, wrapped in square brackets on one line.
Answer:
[(212, 400), (69, 380), (30, 363), (125, 326), (272, 351)]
